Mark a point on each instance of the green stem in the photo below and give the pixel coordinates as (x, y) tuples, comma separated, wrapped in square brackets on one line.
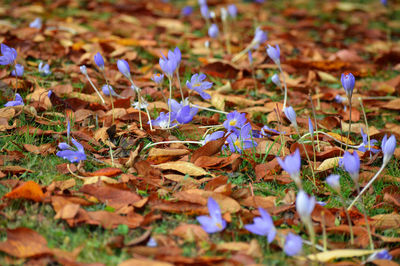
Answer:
[(348, 219), (169, 103), (348, 133)]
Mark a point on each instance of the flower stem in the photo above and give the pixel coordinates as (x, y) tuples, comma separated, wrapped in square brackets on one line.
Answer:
[(315, 121), (137, 90), (311, 233), (348, 133), (308, 157), (169, 102), (172, 141), (94, 87), (284, 83), (111, 97), (179, 82), (366, 126), (348, 219), (208, 109), (243, 52), (367, 186)]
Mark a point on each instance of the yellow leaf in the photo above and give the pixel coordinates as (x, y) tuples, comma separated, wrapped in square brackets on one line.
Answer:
[(329, 164), (340, 138), (327, 77), (341, 253), (183, 167), (95, 179)]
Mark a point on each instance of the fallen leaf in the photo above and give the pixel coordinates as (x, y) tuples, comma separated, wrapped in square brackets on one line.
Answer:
[(186, 168), (28, 190), (24, 243)]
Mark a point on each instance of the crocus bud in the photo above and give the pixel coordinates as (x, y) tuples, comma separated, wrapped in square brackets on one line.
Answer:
[(18, 71), (83, 69), (212, 14), (204, 11), (98, 59), (274, 53), (207, 44), (250, 55), (187, 11), (348, 82), (232, 10), (260, 37), (291, 115), (49, 93), (304, 206), (388, 147), (123, 67), (275, 79), (334, 182), (213, 31), (37, 23), (310, 127), (351, 163)]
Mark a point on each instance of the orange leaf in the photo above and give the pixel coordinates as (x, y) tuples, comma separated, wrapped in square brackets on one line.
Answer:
[(28, 190), (23, 243)]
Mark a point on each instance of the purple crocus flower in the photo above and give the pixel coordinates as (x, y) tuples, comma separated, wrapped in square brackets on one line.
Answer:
[(380, 255), (266, 128), (83, 69), (291, 164), (98, 59), (339, 99), (204, 11), (260, 37), (232, 10), (157, 78), (351, 163), (293, 244), (384, 2), (187, 11), (304, 206), (250, 56), (18, 101), (108, 89), (263, 226), (169, 65), (310, 127), (213, 223), (69, 154), (275, 79), (151, 243), (18, 71), (364, 146), (334, 182), (44, 69), (348, 81), (213, 31), (234, 121), (213, 136), (163, 119), (388, 148), (124, 68), (274, 53), (8, 55), (183, 113), (202, 2), (291, 115), (49, 93), (37, 23), (196, 83), (241, 141), (177, 55)]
